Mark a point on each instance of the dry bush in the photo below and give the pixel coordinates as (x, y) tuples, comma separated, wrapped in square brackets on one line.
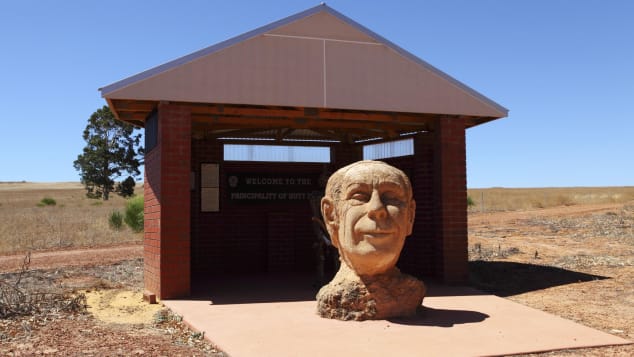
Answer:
[(19, 300), (478, 252), (75, 221), (618, 226), (513, 199)]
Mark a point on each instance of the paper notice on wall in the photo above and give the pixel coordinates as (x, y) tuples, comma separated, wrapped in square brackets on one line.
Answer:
[(209, 199), (209, 175)]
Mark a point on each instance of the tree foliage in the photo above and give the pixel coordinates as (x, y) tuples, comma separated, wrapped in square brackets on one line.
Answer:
[(125, 188), (112, 150)]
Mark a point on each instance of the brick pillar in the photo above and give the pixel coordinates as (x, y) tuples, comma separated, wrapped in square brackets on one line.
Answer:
[(450, 196), (167, 205), (418, 255), (152, 220), (344, 154)]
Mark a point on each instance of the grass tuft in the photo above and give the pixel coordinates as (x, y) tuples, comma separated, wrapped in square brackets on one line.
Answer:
[(134, 213), (47, 201), (115, 220)]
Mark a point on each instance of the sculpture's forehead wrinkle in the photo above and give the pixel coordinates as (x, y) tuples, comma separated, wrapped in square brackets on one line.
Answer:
[(373, 175)]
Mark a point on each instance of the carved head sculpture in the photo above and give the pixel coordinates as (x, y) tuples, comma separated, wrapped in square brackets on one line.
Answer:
[(369, 210)]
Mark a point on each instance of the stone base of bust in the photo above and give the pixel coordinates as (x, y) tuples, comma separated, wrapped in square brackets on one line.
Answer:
[(350, 297)]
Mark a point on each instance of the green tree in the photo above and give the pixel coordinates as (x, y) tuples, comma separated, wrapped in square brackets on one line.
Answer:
[(112, 150), (125, 188)]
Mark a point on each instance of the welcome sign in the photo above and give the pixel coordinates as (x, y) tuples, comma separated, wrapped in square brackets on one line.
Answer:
[(257, 187)]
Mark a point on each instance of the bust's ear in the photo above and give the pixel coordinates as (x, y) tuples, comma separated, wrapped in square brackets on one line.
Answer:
[(411, 214), (329, 213)]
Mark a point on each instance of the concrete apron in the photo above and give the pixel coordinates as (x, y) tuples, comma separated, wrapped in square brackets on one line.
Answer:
[(269, 316)]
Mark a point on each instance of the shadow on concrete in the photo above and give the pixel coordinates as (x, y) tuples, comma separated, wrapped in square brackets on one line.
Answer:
[(427, 316), (499, 278), (286, 287), (255, 288), (509, 278)]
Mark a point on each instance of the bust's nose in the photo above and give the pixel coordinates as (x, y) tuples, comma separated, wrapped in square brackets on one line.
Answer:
[(376, 208)]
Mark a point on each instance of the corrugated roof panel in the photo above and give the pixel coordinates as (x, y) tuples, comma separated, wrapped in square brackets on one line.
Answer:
[(262, 70), (317, 58)]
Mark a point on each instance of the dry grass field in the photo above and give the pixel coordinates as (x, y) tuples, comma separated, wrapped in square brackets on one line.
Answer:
[(514, 199), (73, 221)]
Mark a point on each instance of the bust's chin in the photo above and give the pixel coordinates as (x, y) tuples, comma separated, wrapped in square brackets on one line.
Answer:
[(369, 264)]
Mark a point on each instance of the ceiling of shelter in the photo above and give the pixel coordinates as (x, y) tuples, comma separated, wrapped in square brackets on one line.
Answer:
[(290, 123)]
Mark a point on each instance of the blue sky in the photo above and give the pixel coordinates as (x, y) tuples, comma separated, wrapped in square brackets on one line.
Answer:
[(564, 69)]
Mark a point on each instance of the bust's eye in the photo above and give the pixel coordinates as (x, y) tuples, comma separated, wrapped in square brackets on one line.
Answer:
[(392, 199), (359, 196)]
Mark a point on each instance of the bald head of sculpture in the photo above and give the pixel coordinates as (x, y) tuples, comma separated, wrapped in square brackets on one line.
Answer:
[(369, 210)]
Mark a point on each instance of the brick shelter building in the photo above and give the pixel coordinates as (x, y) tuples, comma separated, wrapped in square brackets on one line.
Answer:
[(238, 134)]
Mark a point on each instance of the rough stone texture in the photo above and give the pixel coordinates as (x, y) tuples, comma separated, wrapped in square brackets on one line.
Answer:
[(369, 210), (349, 297)]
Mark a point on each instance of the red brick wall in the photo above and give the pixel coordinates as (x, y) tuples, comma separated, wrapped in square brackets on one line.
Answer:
[(167, 205), (257, 238), (450, 196), (152, 221), (418, 256), (344, 154), (250, 237)]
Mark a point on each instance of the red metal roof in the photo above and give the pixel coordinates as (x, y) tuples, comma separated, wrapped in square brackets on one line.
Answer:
[(318, 58)]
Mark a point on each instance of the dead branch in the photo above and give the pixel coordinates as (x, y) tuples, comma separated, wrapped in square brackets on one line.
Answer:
[(16, 301)]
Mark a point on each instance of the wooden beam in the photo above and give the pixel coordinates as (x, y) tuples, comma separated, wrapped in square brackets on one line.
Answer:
[(299, 123), (283, 133), (133, 116), (290, 112), (225, 116), (134, 105)]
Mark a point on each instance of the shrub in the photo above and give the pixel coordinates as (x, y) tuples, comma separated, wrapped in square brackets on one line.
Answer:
[(47, 201), (126, 187), (470, 202), (115, 220), (134, 213)]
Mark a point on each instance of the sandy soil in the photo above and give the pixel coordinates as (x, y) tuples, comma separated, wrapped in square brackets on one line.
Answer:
[(576, 262), (115, 323)]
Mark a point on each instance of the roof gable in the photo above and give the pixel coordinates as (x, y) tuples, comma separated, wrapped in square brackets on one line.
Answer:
[(323, 25), (317, 58)]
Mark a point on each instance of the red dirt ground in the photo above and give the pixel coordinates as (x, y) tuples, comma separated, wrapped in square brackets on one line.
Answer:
[(576, 262)]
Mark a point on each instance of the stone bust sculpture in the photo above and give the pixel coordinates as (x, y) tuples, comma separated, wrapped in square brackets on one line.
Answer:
[(369, 210)]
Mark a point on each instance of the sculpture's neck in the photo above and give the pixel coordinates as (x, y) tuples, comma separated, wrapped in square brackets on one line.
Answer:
[(349, 273)]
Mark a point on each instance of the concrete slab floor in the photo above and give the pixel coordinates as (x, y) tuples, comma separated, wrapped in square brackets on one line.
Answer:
[(260, 317)]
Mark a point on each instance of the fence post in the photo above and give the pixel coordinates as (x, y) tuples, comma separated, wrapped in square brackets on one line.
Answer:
[(482, 202)]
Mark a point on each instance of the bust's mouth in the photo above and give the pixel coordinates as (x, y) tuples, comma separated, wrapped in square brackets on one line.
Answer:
[(377, 234)]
